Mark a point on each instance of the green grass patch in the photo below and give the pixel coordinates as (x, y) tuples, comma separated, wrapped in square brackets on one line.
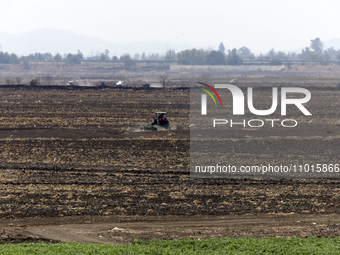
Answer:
[(306, 246)]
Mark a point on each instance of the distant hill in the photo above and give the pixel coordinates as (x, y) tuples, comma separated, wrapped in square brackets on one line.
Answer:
[(63, 41)]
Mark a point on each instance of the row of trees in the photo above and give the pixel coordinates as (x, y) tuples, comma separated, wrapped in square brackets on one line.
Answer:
[(6, 58), (314, 53), (201, 57)]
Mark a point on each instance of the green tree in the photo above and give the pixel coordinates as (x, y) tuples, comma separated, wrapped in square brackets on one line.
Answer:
[(271, 54), (192, 57), (170, 55), (57, 57), (233, 58), (74, 59), (307, 54), (316, 45), (221, 48), (331, 53), (136, 56), (105, 55), (281, 55), (129, 63), (215, 58), (7, 58), (245, 53)]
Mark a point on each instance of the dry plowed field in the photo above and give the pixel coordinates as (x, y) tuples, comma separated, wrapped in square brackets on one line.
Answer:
[(76, 154)]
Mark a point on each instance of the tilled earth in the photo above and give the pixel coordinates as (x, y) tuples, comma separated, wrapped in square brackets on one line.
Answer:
[(81, 153)]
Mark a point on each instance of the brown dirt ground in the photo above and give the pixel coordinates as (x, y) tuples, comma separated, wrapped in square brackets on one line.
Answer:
[(107, 175), (124, 229)]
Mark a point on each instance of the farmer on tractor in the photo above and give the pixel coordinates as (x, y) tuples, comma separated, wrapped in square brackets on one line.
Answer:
[(160, 119)]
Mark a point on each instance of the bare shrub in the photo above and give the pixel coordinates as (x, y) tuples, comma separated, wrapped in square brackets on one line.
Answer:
[(18, 80), (35, 82), (163, 78)]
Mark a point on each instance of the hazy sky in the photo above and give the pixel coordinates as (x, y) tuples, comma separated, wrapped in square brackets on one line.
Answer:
[(259, 25)]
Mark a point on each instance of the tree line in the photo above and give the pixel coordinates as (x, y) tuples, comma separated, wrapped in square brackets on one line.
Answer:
[(314, 53), (220, 56)]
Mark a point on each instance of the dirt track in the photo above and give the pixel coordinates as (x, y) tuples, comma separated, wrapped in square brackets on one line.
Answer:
[(105, 169), (123, 229)]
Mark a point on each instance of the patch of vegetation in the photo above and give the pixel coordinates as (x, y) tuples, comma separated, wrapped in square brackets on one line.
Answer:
[(311, 245), (275, 62)]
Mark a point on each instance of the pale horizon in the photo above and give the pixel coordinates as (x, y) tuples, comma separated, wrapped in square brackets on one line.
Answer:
[(259, 25)]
